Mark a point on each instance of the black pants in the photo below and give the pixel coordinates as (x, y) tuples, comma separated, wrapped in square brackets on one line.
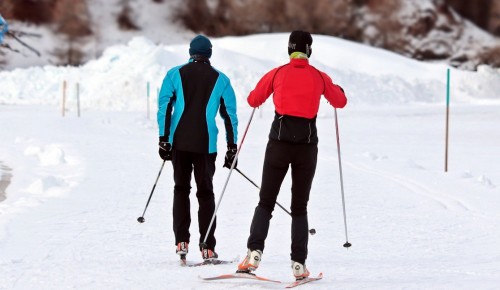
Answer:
[(204, 169), (279, 157)]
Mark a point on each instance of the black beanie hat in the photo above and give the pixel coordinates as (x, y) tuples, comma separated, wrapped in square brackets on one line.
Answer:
[(200, 45), (300, 41)]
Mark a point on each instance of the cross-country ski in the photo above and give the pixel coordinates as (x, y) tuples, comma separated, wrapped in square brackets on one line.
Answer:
[(239, 275), (304, 281), (185, 263)]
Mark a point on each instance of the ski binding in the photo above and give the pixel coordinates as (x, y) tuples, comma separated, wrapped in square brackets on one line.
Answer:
[(185, 263)]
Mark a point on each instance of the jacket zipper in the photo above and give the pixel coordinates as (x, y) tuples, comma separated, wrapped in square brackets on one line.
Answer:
[(279, 131), (310, 133)]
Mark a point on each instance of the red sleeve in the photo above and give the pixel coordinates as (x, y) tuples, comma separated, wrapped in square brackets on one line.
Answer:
[(334, 93), (263, 89)]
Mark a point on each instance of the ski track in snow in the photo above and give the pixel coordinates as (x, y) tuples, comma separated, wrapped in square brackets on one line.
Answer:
[(416, 187), (88, 237)]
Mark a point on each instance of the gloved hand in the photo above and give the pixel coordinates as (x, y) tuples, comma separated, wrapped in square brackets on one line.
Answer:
[(165, 151), (230, 155)]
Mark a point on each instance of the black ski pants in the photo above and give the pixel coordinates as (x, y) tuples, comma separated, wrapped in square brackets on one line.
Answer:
[(204, 169), (302, 158)]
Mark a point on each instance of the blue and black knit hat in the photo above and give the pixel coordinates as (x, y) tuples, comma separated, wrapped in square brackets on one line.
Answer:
[(300, 41), (200, 45)]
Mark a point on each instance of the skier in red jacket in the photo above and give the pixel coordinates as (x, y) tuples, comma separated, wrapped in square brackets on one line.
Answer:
[(296, 87)]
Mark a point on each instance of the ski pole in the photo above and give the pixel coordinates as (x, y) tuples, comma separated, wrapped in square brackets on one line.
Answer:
[(204, 243), (347, 244), (259, 189), (24, 43), (141, 218), (311, 231), (23, 33)]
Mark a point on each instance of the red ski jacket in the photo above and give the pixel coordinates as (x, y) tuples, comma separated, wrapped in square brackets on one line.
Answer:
[(297, 88)]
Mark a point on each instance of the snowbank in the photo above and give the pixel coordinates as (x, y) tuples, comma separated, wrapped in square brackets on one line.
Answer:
[(118, 80)]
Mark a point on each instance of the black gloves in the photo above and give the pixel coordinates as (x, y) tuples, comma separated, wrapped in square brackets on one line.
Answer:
[(165, 151), (230, 155)]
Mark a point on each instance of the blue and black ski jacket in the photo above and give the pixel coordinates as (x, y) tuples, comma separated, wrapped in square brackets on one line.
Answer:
[(190, 96)]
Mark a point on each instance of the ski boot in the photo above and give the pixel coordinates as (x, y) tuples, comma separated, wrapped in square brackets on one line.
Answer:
[(182, 250), (299, 271), (251, 261), (209, 255)]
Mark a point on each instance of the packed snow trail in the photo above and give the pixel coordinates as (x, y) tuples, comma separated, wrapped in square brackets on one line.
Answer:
[(81, 232)]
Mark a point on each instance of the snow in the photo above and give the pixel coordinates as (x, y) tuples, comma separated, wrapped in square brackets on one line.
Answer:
[(78, 184)]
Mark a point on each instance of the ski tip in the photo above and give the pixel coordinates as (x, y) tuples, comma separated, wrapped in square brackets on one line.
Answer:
[(305, 280)]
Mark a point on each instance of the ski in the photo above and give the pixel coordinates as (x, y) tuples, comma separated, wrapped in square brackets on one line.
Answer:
[(210, 262), (240, 275), (304, 281), (185, 263)]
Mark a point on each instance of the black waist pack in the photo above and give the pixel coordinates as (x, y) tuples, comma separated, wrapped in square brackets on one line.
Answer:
[(294, 129)]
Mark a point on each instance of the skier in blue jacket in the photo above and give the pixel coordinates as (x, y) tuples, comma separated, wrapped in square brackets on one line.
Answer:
[(4, 27), (190, 96), (4, 30)]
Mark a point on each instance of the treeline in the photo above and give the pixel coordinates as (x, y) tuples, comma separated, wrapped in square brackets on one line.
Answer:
[(434, 32), (69, 18), (483, 13), (425, 34)]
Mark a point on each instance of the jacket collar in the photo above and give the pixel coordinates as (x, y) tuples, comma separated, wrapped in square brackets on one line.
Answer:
[(299, 61), (199, 58)]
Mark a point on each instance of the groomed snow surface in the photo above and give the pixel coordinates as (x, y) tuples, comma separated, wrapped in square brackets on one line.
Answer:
[(78, 184)]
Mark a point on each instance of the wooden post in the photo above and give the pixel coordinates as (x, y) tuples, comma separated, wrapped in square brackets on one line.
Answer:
[(147, 99), (64, 98), (447, 119), (78, 98)]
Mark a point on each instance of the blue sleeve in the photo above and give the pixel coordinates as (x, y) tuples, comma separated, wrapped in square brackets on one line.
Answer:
[(165, 102), (228, 112)]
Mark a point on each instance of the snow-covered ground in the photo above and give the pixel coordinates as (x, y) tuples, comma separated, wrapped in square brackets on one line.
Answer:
[(79, 184)]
